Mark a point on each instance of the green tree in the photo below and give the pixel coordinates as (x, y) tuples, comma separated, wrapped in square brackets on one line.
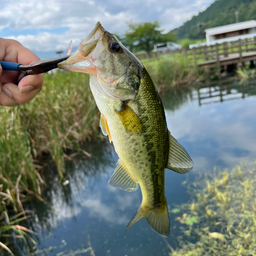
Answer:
[(143, 36), (219, 13)]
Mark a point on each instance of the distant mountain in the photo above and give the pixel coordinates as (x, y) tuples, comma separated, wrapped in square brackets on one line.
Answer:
[(221, 12)]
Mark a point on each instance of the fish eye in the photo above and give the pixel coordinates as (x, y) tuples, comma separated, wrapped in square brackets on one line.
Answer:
[(114, 47)]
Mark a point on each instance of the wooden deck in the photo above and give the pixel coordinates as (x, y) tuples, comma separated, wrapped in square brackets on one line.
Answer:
[(233, 58), (227, 53)]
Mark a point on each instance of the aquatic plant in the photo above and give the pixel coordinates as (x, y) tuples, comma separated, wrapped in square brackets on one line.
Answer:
[(10, 229), (81, 251), (245, 74), (221, 217)]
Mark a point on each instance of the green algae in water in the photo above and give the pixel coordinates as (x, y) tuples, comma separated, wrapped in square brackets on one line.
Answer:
[(221, 217)]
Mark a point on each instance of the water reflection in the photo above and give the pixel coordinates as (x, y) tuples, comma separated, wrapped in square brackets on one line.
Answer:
[(223, 91), (174, 99), (220, 134), (61, 197)]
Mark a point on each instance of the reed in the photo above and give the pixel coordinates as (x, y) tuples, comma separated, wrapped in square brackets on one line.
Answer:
[(61, 116), (171, 70)]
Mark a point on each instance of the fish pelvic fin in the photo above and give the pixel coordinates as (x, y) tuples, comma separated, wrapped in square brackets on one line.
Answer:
[(179, 160), (157, 218), (104, 127)]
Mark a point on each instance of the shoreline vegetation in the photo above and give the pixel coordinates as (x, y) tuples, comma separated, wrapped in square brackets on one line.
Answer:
[(61, 117), (172, 70)]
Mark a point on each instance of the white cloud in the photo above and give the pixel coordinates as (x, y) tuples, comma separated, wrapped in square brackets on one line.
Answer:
[(108, 213), (217, 140), (80, 16)]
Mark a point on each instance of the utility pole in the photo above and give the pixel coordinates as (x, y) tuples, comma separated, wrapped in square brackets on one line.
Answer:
[(236, 13)]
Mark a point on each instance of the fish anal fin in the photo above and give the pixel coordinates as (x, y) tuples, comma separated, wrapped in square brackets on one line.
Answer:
[(157, 218), (179, 160), (129, 119), (104, 127), (121, 179)]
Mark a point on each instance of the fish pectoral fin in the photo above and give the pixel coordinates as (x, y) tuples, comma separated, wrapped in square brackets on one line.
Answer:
[(157, 218), (129, 119), (104, 127), (179, 160), (121, 179)]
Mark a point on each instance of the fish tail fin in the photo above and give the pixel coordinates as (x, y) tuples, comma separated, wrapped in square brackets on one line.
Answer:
[(157, 218)]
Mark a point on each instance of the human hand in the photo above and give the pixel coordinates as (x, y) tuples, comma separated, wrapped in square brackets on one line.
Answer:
[(29, 86)]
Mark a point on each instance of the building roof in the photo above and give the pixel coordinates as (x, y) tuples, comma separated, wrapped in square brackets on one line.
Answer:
[(231, 27)]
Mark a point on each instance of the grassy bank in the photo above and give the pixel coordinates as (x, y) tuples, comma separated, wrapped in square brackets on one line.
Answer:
[(171, 70), (220, 219)]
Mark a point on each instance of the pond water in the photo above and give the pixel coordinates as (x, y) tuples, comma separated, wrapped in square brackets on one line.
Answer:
[(217, 126)]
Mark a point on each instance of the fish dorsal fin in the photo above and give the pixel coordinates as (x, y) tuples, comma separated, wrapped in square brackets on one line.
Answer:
[(104, 127), (129, 119), (179, 160), (121, 179)]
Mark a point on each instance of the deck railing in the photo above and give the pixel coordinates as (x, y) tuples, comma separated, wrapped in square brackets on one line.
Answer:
[(218, 54)]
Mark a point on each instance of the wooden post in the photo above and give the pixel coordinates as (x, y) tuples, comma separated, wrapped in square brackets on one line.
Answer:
[(185, 54), (231, 47), (217, 59), (194, 55), (246, 45), (225, 49), (205, 53), (198, 97), (240, 51), (221, 98)]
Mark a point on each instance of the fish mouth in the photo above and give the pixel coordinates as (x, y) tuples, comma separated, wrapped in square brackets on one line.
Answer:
[(82, 60)]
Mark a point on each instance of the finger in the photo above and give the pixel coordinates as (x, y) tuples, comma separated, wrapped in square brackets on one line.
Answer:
[(15, 52), (9, 77), (14, 94), (9, 50), (6, 98), (30, 83), (1, 71)]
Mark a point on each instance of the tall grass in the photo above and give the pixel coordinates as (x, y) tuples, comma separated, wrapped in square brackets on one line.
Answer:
[(60, 117), (10, 229), (171, 70)]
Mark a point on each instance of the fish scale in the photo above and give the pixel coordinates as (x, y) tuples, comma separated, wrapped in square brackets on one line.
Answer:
[(150, 109)]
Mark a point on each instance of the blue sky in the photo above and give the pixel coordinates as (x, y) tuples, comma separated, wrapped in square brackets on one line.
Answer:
[(48, 26)]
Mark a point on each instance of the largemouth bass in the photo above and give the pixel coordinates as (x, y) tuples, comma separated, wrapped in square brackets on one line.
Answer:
[(133, 117)]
